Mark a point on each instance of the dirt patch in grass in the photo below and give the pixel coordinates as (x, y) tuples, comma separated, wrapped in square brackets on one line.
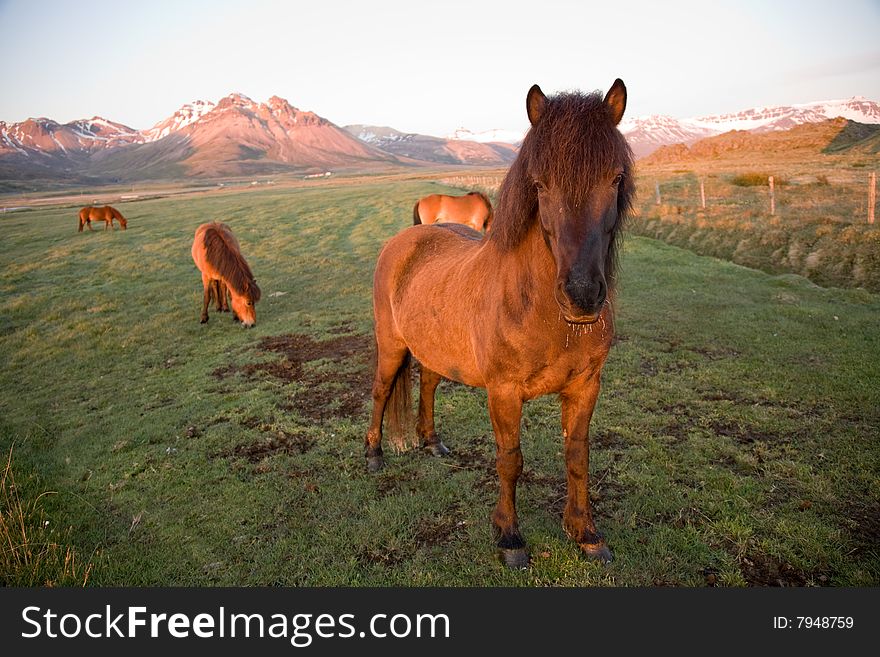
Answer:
[(282, 443), (330, 392), (436, 531), (744, 435), (276, 441), (762, 570), (395, 480), (862, 522), (380, 556), (465, 457)]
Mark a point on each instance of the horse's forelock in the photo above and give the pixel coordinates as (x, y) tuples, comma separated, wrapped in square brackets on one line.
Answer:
[(577, 146), (574, 146)]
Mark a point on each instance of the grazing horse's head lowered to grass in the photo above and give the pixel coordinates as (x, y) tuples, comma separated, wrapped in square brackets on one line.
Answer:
[(523, 312)]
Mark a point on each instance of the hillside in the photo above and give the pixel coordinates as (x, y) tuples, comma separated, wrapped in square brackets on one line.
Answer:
[(835, 136), (648, 133)]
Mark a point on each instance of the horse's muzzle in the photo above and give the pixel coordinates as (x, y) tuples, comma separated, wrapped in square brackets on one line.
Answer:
[(581, 309)]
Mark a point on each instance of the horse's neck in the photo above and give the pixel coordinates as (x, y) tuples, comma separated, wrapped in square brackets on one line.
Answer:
[(526, 270)]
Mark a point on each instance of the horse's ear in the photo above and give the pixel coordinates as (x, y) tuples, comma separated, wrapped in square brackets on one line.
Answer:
[(615, 100), (536, 101)]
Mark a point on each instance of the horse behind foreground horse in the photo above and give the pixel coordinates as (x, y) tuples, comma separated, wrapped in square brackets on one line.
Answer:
[(217, 254), (473, 209), (106, 214), (523, 312)]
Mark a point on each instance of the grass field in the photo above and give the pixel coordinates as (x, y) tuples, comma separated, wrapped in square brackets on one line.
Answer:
[(735, 441)]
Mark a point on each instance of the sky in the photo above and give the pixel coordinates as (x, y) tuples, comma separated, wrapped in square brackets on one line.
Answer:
[(429, 67)]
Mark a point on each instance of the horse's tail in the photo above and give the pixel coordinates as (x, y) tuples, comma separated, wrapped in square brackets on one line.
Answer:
[(416, 218), (398, 409)]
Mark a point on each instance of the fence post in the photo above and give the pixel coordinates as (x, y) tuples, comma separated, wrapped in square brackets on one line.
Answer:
[(772, 196), (703, 193), (657, 191), (872, 196)]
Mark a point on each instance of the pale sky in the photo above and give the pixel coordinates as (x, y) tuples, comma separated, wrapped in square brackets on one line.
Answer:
[(429, 67)]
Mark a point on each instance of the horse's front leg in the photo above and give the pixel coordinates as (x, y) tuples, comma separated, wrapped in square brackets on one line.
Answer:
[(505, 411), (428, 382), (577, 410)]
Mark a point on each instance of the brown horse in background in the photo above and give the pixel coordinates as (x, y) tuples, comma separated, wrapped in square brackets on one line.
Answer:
[(525, 311), (474, 210), (106, 214), (217, 254)]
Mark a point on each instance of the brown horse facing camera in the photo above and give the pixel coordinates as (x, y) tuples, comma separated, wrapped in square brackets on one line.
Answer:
[(524, 312), (106, 214), (218, 256), (473, 209)]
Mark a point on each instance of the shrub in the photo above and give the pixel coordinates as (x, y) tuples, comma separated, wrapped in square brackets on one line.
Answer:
[(757, 180), (750, 180)]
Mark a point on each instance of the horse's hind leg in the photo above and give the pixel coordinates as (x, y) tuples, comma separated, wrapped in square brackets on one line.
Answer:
[(391, 371), (218, 290), (224, 295), (428, 382), (206, 301)]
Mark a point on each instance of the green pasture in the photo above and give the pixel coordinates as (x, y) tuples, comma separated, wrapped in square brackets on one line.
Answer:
[(735, 441)]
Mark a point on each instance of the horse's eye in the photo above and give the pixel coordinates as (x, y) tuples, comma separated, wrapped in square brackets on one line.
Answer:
[(617, 180), (540, 186)]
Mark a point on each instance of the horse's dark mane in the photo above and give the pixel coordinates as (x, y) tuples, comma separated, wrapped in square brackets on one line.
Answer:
[(226, 258), (573, 147)]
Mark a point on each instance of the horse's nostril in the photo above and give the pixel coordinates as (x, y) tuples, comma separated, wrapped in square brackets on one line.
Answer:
[(586, 294)]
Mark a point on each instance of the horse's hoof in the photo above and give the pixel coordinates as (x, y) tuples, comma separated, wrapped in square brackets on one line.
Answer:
[(597, 552), (514, 558), (203, 320), (374, 463), (437, 449)]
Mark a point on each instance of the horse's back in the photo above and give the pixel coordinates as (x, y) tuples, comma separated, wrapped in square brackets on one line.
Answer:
[(211, 236), (200, 246)]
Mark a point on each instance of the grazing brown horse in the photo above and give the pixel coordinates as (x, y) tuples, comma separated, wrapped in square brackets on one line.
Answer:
[(106, 214), (474, 210), (218, 256), (523, 312)]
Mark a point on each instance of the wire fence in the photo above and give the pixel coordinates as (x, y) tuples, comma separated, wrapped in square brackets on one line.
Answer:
[(819, 225)]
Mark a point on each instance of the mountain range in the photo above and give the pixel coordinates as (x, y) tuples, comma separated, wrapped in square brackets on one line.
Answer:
[(240, 137), (647, 134)]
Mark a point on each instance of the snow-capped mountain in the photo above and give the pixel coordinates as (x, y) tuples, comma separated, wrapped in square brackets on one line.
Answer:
[(486, 136), (426, 148), (189, 113), (646, 134), (44, 136)]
